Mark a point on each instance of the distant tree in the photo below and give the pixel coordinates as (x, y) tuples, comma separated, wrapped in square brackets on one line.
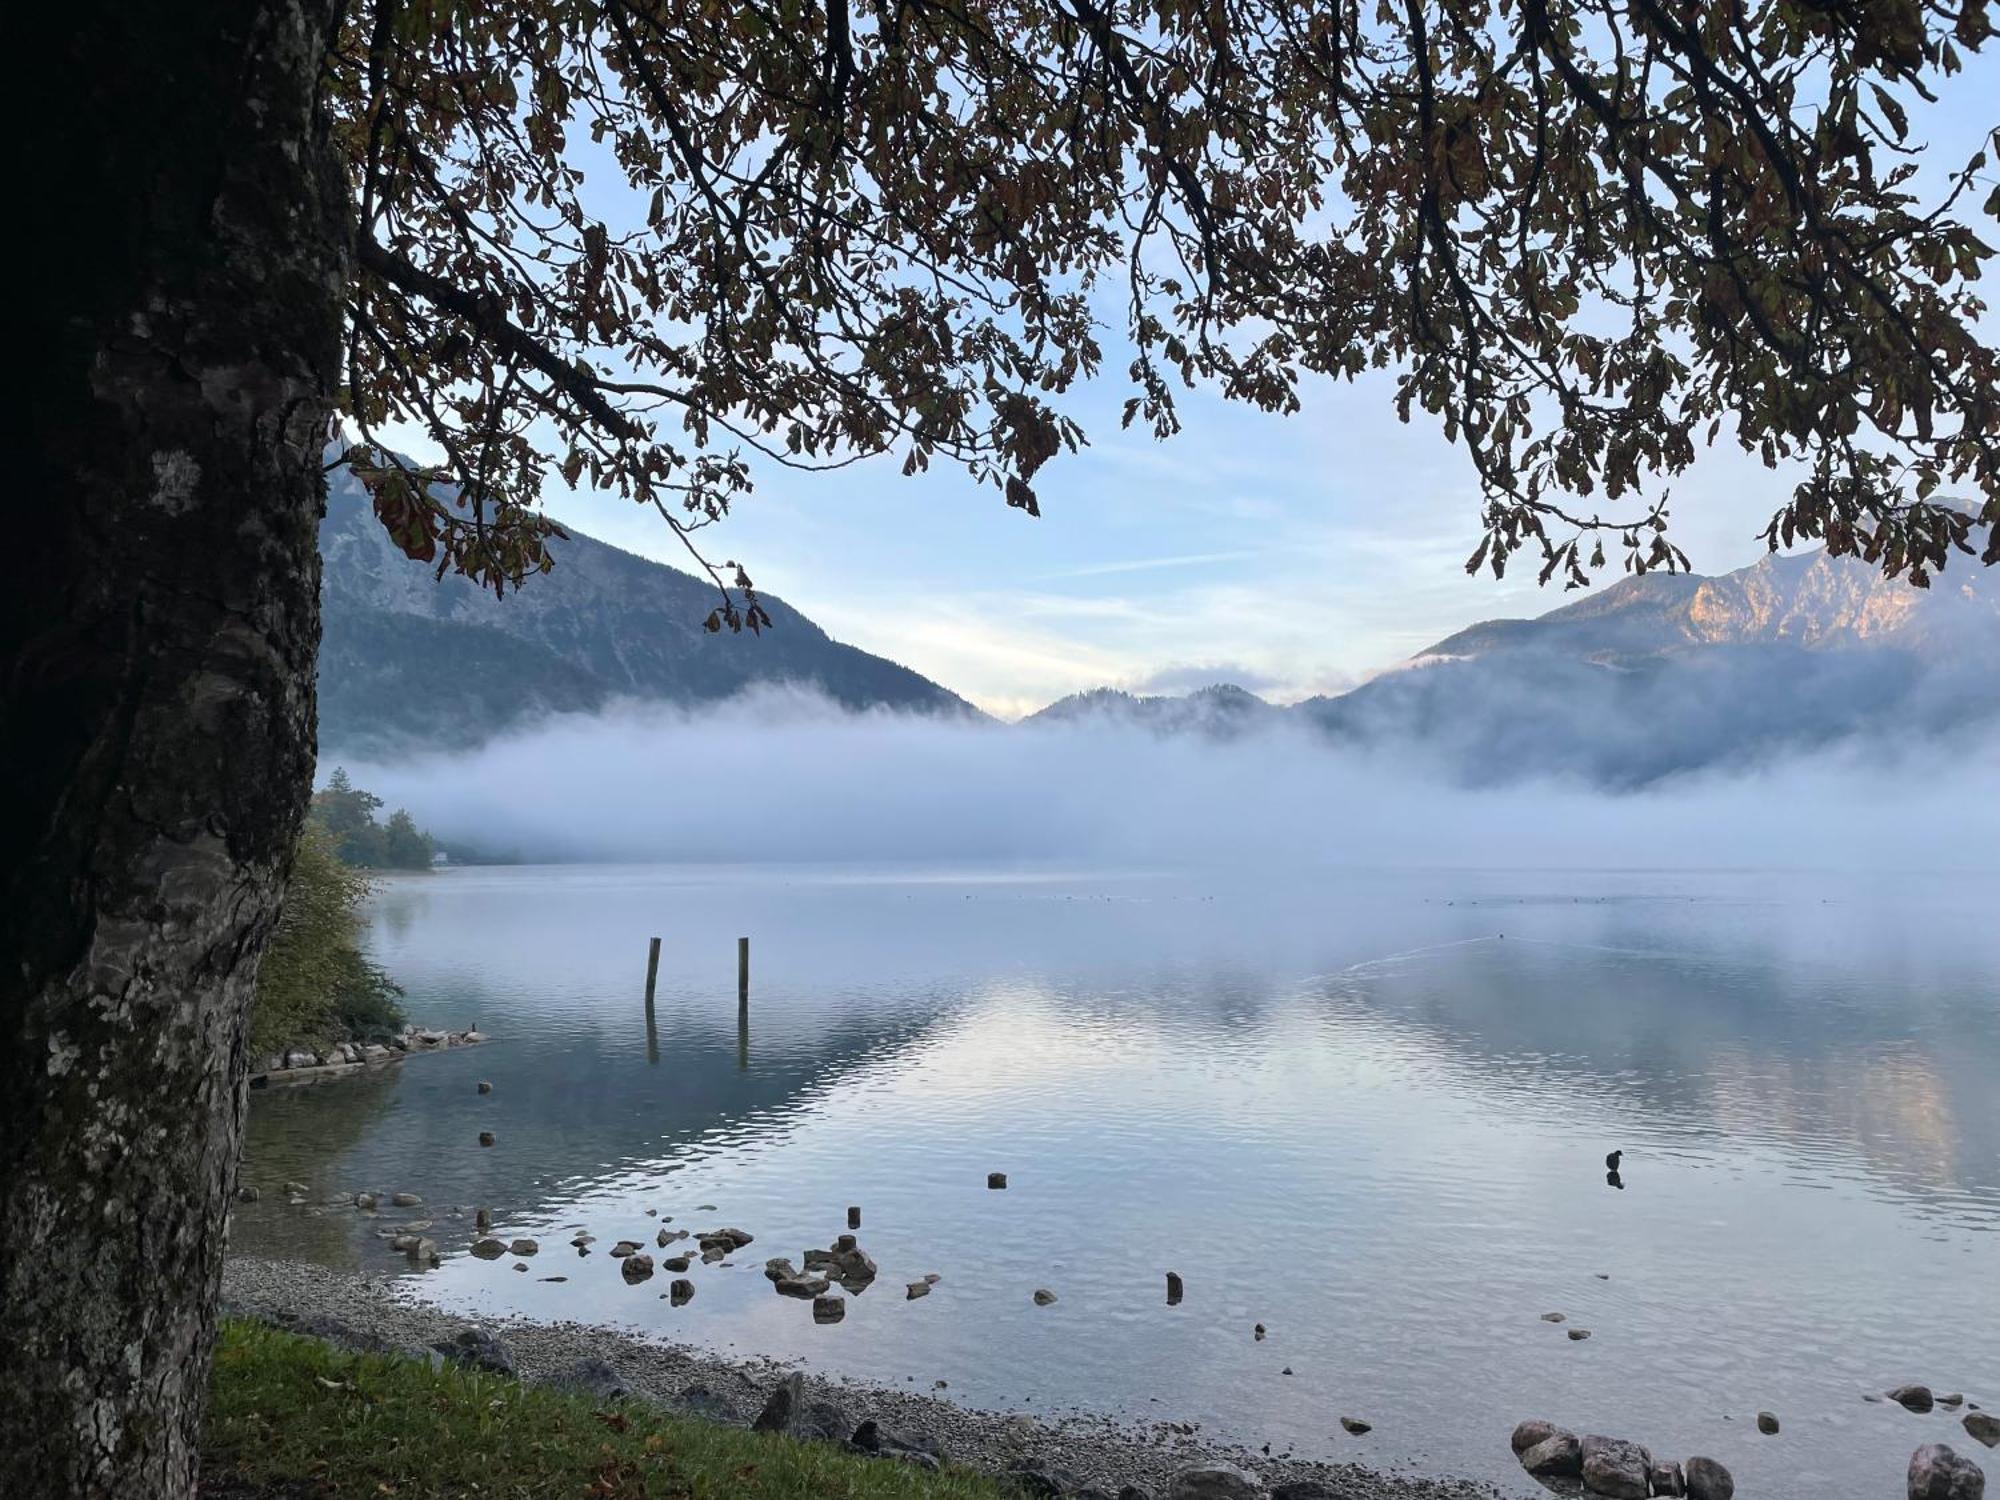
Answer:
[(404, 846), (1587, 236), (316, 984), (341, 808)]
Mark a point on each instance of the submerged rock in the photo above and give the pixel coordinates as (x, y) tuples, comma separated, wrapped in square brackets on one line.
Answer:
[(1554, 1318), (406, 1200), (1937, 1473), (485, 1087), (485, 1137)]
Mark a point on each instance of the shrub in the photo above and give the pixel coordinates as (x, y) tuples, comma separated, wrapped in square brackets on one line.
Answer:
[(316, 985)]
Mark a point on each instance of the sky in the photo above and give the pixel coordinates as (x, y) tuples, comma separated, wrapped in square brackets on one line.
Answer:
[(1291, 556)]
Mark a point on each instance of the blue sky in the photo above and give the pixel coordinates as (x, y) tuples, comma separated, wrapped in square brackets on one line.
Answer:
[(1290, 555)]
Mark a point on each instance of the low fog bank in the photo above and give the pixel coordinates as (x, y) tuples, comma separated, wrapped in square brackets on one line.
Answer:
[(785, 776)]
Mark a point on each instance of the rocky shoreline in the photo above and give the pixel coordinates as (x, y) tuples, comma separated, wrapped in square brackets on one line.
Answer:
[(339, 1059), (1081, 1456)]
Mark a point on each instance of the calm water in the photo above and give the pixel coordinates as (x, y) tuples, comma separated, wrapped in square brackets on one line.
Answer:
[(1369, 1112)]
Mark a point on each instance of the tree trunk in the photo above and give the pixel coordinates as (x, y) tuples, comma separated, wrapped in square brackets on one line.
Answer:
[(158, 625)]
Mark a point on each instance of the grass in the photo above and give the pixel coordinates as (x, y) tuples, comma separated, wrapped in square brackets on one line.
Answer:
[(291, 1417)]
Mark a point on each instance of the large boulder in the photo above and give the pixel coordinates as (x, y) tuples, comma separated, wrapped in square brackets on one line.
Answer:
[(783, 1405), (1708, 1480), (1215, 1481), (1937, 1473), (1615, 1467)]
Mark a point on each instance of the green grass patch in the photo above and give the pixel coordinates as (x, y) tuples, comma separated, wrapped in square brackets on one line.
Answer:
[(290, 1416)]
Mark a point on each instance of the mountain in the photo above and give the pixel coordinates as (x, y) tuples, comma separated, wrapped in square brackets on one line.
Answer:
[(407, 661), (1222, 711), (1659, 675)]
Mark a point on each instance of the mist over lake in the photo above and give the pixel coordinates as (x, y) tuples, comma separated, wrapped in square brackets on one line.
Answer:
[(1367, 1109)]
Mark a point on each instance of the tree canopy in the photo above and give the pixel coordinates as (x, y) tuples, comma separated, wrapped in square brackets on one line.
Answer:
[(634, 241)]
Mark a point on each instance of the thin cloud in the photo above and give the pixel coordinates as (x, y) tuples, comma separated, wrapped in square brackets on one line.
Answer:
[(1149, 564)]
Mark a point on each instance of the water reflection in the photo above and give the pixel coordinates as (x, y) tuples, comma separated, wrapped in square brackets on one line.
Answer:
[(1351, 1111)]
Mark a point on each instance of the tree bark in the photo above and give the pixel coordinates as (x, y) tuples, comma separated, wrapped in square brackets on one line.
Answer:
[(188, 247)]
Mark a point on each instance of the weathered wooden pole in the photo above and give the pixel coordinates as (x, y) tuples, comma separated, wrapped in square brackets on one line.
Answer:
[(652, 969), (743, 971)]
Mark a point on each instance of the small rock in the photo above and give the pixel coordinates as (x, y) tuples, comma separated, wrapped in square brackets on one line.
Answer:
[(485, 1087), (297, 1189), (780, 1268), (552, 1278), (523, 1247), (424, 1252), (404, 1241), (1937, 1473), (1708, 1480), (700, 1401), (853, 1218), (1767, 1422), (682, 1292), (1043, 1296), (1982, 1425), (663, 1239), (475, 1346), (488, 1248), (1214, 1481), (593, 1377), (1554, 1318), (996, 1179), (1615, 1467), (932, 1277), (1578, 1335), (1666, 1478), (1913, 1397), (482, 1218), (803, 1287), (365, 1202), (1174, 1289), (915, 1290), (1558, 1456), (1257, 1333), (1356, 1426), (677, 1262), (1956, 1398), (485, 1137), (636, 1267), (829, 1309), (406, 1200), (624, 1248)]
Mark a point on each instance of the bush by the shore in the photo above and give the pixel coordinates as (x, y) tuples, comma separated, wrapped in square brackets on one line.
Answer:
[(288, 1412), (316, 986)]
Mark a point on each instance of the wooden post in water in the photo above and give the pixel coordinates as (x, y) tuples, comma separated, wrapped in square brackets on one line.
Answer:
[(743, 971), (652, 974)]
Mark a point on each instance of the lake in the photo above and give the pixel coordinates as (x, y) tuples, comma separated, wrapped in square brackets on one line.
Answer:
[(1367, 1110)]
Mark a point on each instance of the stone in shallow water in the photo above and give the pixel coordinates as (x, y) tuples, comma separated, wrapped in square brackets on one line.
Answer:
[(1558, 1456), (1578, 1335), (1615, 1467), (829, 1309), (1708, 1480), (915, 1290), (996, 1179), (1982, 1425), (1913, 1397), (1531, 1432), (1043, 1296), (406, 1200), (1554, 1318), (636, 1267), (681, 1292), (1767, 1422), (1937, 1473), (523, 1247), (1356, 1426), (488, 1248)]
